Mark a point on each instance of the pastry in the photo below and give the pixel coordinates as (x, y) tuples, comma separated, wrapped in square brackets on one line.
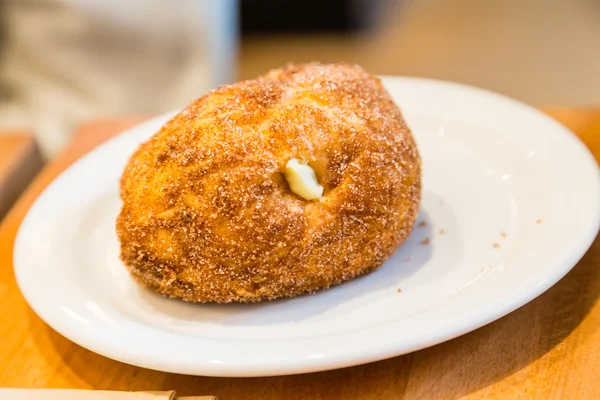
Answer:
[(296, 181)]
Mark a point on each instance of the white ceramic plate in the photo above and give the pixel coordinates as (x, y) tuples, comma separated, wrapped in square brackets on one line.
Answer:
[(511, 202)]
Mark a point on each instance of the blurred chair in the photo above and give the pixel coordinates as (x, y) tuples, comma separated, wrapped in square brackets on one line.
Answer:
[(67, 61)]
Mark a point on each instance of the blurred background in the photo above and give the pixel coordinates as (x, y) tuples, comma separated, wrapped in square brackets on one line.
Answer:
[(65, 62)]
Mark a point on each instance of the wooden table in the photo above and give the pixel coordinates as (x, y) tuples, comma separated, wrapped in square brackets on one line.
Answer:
[(548, 349), (20, 161)]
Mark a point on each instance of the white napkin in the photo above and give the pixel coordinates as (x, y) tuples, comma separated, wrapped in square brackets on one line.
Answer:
[(75, 394)]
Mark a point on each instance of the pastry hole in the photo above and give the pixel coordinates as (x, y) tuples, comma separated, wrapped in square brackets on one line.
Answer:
[(302, 180)]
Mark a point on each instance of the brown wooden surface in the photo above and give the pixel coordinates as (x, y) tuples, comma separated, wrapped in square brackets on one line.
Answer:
[(548, 349), (20, 161)]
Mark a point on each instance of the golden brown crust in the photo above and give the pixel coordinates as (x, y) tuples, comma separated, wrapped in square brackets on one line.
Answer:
[(208, 215)]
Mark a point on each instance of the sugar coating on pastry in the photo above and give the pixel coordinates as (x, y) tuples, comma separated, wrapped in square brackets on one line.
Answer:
[(208, 215)]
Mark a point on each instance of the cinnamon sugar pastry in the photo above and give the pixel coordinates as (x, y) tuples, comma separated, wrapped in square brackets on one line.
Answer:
[(209, 215)]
